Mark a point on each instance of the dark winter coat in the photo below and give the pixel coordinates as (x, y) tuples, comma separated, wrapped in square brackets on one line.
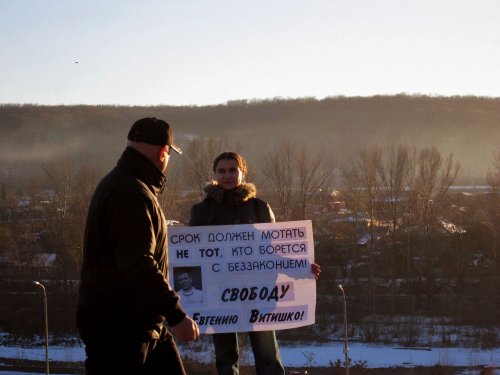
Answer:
[(225, 207), (125, 261)]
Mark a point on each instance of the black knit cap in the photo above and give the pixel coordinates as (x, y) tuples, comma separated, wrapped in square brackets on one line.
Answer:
[(153, 131)]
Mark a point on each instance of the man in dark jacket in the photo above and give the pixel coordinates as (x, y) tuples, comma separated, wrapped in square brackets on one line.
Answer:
[(125, 297)]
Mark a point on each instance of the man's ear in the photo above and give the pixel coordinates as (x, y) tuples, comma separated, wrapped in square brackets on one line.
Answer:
[(161, 153)]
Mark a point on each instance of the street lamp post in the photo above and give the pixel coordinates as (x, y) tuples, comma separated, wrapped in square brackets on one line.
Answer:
[(346, 345), (46, 316)]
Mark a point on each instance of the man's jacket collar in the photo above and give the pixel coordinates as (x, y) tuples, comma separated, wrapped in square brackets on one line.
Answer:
[(136, 164)]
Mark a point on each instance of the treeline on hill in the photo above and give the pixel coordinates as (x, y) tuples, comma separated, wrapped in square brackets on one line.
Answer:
[(373, 174), (468, 127)]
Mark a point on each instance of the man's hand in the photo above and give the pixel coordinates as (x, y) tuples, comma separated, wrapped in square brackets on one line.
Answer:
[(186, 330)]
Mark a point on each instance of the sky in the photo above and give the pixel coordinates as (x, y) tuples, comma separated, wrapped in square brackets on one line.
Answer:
[(202, 52)]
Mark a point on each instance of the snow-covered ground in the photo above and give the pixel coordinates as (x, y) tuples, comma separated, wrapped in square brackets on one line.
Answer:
[(304, 355)]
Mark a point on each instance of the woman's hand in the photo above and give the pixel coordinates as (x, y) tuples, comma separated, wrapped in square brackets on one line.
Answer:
[(316, 270)]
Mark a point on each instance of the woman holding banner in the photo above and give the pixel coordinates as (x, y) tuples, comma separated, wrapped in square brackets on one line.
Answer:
[(231, 200)]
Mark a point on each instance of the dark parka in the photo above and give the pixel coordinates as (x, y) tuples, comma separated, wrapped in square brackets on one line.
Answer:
[(124, 273), (237, 206)]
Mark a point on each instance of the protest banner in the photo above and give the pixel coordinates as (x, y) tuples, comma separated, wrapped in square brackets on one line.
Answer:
[(248, 277)]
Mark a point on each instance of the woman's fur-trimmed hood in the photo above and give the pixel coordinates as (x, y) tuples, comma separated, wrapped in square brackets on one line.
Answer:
[(242, 193)]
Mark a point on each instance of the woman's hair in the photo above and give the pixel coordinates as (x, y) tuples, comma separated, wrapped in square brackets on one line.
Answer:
[(228, 155)]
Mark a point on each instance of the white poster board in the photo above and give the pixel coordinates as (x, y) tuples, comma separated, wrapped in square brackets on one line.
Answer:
[(240, 278)]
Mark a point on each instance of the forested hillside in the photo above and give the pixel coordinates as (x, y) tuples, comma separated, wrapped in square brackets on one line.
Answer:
[(468, 127)]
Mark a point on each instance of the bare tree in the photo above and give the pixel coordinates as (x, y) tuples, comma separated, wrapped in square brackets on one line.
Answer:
[(56, 177), (395, 177), (364, 183), (56, 180), (314, 175), (279, 171), (61, 195), (170, 198), (434, 176), (493, 178), (84, 184), (363, 178)]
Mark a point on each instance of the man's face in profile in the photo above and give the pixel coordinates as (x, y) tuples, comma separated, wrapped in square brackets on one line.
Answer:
[(185, 281)]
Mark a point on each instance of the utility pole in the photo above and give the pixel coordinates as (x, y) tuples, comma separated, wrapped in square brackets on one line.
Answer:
[(346, 343), (46, 316)]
